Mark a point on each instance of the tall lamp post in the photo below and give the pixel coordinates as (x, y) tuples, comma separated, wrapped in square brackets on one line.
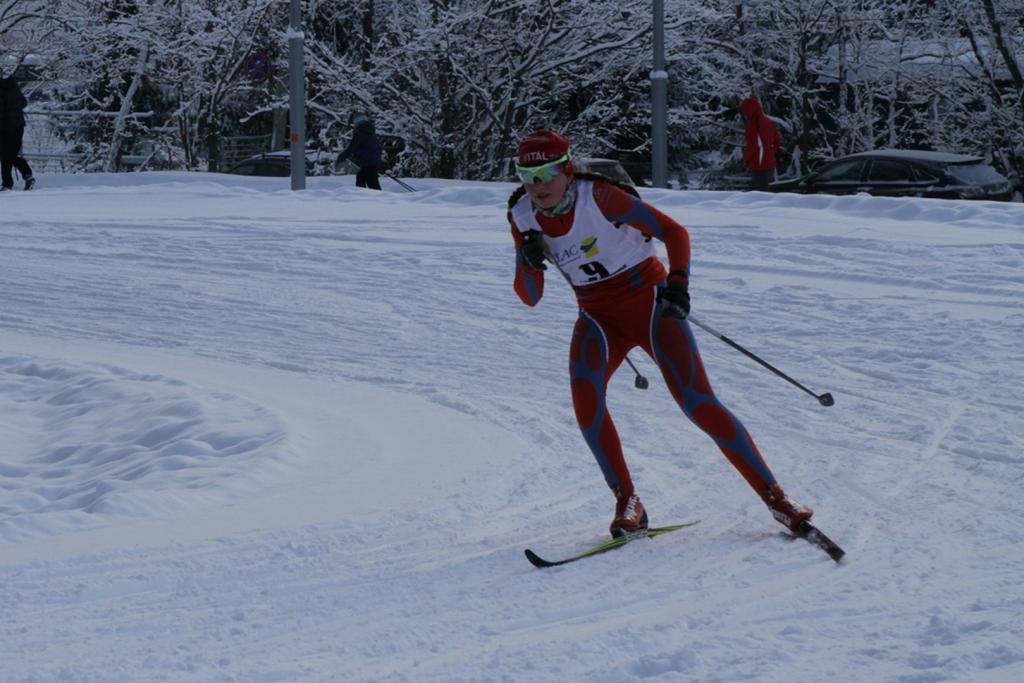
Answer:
[(297, 97), (659, 101)]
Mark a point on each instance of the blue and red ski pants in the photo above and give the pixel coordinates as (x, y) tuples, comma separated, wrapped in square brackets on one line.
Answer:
[(602, 337)]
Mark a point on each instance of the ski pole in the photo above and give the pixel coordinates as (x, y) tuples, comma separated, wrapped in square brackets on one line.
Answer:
[(824, 399), (400, 182), (640, 382)]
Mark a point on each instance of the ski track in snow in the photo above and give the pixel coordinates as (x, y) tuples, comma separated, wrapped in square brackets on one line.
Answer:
[(255, 435)]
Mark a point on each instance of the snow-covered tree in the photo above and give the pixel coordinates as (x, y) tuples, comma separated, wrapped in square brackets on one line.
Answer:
[(457, 80), (979, 103), (27, 28), (202, 64), (130, 64), (453, 83)]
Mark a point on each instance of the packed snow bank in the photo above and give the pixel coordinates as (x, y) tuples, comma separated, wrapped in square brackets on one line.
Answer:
[(401, 431)]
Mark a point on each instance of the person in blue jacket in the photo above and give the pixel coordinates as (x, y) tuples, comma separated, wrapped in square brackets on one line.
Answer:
[(364, 149)]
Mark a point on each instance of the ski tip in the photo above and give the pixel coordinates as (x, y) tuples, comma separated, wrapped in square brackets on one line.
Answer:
[(813, 534), (536, 560)]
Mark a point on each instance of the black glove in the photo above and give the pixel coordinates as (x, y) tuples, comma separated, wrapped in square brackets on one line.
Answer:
[(675, 296), (532, 250)]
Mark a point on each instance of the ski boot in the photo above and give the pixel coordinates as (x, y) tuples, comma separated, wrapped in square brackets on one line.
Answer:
[(630, 516), (787, 512)]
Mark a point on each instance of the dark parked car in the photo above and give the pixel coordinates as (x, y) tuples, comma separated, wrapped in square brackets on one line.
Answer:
[(274, 164), (904, 173), (609, 168), (279, 164)]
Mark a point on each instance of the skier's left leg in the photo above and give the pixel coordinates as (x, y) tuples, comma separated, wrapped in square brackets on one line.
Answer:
[(19, 163), (674, 349), (373, 178)]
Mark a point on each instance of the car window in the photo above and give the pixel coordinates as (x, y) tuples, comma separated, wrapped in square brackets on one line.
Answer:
[(885, 170), (842, 170), (975, 173), (924, 175)]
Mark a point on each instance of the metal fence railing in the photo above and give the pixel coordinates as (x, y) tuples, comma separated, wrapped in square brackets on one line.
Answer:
[(50, 143), (238, 148), (43, 145)]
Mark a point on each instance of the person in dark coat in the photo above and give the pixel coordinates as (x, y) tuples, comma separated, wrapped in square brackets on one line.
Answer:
[(12, 130), (763, 139), (364, 149)]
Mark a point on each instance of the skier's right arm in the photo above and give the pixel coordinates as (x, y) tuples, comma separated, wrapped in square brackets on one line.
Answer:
[(529, 280), (347, 152)]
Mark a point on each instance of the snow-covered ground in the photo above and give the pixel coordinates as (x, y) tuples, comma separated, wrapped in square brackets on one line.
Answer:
[(248, 434)]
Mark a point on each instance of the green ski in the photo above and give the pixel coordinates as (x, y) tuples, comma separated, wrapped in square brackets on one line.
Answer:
[(604, 547)]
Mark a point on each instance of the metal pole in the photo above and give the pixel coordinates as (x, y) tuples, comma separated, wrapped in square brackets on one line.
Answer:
[(659, 101), (297, 97)]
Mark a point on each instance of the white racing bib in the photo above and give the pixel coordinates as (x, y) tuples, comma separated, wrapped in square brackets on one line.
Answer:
[(593, 249)]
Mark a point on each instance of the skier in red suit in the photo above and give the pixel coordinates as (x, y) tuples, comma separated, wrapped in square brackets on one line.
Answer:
[(599, 236)]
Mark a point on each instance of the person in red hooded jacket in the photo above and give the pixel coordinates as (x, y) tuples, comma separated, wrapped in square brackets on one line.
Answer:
[(763, 140), (598, 235)]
